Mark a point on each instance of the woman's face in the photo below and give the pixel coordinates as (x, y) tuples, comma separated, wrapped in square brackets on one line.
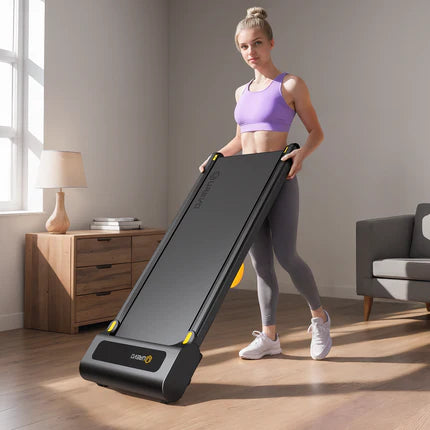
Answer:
[(254, 47)]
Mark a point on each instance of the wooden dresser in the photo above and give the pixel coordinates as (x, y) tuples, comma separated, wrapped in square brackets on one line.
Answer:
[(82, 277)]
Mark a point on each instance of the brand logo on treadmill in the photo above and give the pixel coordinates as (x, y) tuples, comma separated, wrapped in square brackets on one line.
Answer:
[(145, 358), (206, 190)]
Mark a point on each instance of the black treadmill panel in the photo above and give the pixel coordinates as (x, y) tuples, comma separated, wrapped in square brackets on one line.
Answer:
[(188, 267)]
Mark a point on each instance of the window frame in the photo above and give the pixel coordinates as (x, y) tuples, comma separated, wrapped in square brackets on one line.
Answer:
[(23, 198), (14, 132)]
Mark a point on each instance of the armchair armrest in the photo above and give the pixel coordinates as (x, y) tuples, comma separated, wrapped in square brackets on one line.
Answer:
[(380, 238)]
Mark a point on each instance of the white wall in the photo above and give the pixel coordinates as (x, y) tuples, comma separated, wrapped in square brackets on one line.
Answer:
[(106, 88), (366, 64)]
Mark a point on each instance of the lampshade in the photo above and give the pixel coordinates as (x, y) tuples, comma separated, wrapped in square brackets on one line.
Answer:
[(61, 169)]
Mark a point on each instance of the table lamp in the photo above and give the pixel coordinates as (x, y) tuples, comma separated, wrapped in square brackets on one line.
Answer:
[(60, 169)]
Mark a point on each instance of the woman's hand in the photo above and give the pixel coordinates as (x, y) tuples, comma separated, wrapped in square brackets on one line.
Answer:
[(297, 159), (202, 166)]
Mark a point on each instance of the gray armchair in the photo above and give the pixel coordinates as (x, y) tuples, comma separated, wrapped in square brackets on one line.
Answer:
[(393, 258)]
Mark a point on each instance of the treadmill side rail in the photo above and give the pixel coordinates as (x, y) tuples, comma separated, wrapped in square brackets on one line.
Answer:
[(221, 287)]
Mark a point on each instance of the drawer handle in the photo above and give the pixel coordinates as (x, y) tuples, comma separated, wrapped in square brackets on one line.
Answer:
[(104, 266), (104, 239), (103, 293)]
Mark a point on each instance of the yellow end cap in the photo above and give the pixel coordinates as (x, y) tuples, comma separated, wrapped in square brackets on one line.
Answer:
[(239, 276), (112, 325), (215, 157), (286, 149), (188, 337)]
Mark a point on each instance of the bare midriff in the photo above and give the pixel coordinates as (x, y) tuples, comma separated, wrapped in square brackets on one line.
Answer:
[(263, 141)]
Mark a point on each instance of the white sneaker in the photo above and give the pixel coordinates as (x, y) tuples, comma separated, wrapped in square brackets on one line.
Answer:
[(262, 345), (321, 340)]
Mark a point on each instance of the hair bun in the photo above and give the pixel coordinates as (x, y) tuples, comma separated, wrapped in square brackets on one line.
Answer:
[(256, 12)]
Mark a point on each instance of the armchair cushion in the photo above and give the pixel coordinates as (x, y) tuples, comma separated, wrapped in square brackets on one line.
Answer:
[(402, 268), (420, 245)]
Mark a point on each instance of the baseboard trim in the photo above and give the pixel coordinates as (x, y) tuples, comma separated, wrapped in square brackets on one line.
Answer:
[(15, 321), (11, 321), (334, 291)]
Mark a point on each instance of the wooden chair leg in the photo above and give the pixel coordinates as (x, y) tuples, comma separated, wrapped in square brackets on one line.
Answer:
[(368, 301), (428, 306)]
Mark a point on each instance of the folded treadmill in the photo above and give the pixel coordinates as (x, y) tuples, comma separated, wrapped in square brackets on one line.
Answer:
[(152, 346)]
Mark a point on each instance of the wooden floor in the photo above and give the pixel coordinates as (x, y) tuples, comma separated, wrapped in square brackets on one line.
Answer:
[(377, 375)]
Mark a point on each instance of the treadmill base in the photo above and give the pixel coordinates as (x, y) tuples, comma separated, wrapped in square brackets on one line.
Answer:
[(118, 363)]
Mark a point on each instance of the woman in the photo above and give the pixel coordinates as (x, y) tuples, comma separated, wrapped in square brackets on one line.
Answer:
[(264, 111)]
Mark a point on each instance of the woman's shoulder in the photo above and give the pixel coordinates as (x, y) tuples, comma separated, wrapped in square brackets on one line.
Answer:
[(291, 82), (294, 89), (291, 79)]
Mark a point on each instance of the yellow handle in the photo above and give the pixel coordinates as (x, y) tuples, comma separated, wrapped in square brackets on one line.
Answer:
[(112, 325), (188, 337)]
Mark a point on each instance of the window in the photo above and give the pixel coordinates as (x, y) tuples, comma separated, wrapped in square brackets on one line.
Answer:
[(22, 34)]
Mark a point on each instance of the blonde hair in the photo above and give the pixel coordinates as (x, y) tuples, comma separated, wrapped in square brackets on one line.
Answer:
[(255, 18)]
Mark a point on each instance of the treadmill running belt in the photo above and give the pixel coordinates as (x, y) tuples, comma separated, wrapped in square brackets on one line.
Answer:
[(184, 274)]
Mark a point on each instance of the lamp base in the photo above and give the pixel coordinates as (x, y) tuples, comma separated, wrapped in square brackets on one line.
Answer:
[(58, 222)]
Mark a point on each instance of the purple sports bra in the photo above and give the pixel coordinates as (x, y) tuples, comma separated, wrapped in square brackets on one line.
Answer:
[(265, 109)]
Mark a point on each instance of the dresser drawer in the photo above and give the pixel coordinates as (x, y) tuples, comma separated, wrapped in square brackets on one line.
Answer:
[(136, 271), (93, 306), (103, 250), (104, 277), (144, 246)]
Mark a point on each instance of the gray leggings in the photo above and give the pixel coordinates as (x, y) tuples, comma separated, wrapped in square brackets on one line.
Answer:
[(280, 229)]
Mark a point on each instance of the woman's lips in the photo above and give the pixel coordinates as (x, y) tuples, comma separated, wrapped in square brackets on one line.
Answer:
[(253, 59)]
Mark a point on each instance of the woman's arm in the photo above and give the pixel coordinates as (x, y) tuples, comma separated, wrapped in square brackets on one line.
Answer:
[(305, 110), (307, 114), (234, 146)]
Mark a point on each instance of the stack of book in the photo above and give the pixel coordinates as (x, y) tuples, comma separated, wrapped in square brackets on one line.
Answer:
[(125, 223)]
